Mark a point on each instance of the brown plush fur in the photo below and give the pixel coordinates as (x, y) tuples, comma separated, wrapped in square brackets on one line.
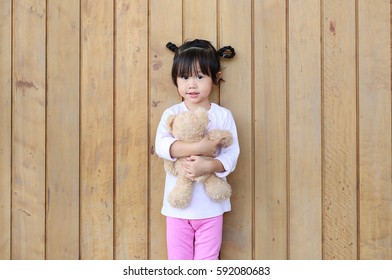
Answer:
[(191, 126)]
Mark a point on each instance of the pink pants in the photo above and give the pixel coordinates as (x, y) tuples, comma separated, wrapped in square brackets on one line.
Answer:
[(194, 239)]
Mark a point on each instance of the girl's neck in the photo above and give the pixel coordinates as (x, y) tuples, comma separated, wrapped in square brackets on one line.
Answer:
[(192, 107)]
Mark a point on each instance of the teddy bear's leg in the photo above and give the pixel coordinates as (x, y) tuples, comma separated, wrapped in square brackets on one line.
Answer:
[(217, 189), (170, 167), (181, 195)]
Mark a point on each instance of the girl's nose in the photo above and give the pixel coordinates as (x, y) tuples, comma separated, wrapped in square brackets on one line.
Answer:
[(192, 83)]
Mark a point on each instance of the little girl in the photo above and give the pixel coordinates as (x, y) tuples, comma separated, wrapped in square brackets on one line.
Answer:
[(195, 232)]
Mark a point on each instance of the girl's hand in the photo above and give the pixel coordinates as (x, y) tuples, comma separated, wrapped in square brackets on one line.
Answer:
[(195, 166), (208, 147)]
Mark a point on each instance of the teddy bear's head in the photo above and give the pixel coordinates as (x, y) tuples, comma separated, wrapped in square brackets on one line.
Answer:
[(189, 126)]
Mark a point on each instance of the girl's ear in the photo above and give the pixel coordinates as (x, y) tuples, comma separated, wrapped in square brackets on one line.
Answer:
[(219, 76)]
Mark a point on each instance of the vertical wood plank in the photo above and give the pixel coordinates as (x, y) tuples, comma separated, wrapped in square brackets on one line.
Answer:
[(200, 20), (96, 158), (270, 129), (62, 175), (375, 129), (162, 95), (28, 130), (131, 130), (304, 130), (195, 28), (339, 130), (236, 95), (5, 135)]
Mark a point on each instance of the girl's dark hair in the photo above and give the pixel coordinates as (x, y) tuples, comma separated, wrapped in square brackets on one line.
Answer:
[(198, 52)]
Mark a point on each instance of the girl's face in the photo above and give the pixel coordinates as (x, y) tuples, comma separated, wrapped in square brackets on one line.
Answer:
[(195, 90)]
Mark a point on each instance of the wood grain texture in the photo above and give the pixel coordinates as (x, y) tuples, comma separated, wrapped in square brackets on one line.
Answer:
[(270, 220), (5, 124), (62, 120), (236, 95), (339, 131), (304, 90), (131, 130), (96, 132), (83, 85), (163, 94), (375, 141), (28, 130)]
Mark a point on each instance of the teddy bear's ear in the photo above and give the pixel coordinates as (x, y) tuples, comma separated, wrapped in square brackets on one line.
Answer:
[(170, 121)]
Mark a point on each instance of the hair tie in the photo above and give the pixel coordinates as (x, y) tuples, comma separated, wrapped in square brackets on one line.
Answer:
[(226, 52), (171, 47)]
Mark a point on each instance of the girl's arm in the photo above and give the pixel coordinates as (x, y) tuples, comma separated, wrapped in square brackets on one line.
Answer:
[(205, 147), (228, 156)]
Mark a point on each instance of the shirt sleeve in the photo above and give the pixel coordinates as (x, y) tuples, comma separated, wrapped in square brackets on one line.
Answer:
[(228, 156), (164, 139)]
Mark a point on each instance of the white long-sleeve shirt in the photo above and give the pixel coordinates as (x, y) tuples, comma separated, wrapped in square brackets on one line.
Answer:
[(201, 206)]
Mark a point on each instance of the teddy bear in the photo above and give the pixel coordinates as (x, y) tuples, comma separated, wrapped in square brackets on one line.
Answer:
[(191, 126)]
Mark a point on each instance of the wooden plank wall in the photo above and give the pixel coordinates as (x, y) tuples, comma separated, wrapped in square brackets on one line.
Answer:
[(83, 85)]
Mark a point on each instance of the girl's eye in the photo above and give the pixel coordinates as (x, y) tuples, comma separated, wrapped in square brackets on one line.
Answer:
[(184, 77), (199, 77)]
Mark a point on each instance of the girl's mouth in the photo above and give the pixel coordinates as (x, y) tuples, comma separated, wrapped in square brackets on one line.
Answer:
[(193, 93)]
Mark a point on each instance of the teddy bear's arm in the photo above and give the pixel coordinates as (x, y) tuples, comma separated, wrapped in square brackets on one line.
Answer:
[(225, 137)]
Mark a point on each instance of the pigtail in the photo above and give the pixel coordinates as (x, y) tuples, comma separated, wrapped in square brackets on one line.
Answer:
[(226, 52), (171, 47)]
